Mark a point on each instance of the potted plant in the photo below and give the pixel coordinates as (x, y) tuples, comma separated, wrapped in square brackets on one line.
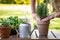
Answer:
[(42, 17), (15, 22), (5, 28), (43, 25)]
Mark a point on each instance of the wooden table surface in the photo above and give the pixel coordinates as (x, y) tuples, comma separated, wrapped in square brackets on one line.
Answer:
[(51, 35)]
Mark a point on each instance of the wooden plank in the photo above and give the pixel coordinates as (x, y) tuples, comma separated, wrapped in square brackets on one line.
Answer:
[(37, 33), (33, 36), (50, 35), (57, 34)]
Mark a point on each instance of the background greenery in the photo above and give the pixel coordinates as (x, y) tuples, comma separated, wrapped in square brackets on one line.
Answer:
[(14, 1), (13, 8)]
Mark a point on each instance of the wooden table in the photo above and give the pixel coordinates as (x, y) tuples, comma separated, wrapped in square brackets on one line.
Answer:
[(51, 35)]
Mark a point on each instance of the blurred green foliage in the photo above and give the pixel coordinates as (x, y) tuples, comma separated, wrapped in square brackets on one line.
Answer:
[(6, 1), (14, 1), (22, 1)]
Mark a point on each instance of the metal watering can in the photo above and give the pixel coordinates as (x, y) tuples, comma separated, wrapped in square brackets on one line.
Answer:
[(25, 30)]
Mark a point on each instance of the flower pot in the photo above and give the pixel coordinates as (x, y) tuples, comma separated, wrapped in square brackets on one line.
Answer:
[(43, 28), (5, 32)]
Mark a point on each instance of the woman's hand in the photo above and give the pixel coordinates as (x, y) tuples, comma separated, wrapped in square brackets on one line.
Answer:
[(58, 15), (36, 17), (52, 16)]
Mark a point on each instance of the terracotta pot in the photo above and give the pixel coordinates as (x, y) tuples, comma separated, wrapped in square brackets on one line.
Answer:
[(5, 32), (43, 28)]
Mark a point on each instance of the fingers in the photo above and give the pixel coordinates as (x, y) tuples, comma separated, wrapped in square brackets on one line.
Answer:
[(35, 16), (58, 15)]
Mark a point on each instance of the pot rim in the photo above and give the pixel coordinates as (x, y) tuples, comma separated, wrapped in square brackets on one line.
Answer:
[(44, 22)]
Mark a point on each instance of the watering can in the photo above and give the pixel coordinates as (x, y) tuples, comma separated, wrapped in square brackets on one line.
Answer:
[(25, 30)]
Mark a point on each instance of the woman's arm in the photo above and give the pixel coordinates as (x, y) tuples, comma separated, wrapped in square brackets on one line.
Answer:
[(33, 5), (52, 16), (37, 18), (53, 3), (34, 14)]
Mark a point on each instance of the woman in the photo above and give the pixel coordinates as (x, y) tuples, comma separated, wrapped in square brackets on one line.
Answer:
[(36, 17)]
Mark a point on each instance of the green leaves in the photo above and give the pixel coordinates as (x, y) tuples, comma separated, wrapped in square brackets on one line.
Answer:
[(42, 10), (14, 22), (4, 22)]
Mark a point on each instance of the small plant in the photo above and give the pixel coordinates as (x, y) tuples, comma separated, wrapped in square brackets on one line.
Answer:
[(42, 10), (15, 21), (4, 22), (5, 28)]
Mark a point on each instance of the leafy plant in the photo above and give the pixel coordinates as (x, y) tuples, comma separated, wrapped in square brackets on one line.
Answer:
[(4, 22), (42, 10), (15, 21)]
